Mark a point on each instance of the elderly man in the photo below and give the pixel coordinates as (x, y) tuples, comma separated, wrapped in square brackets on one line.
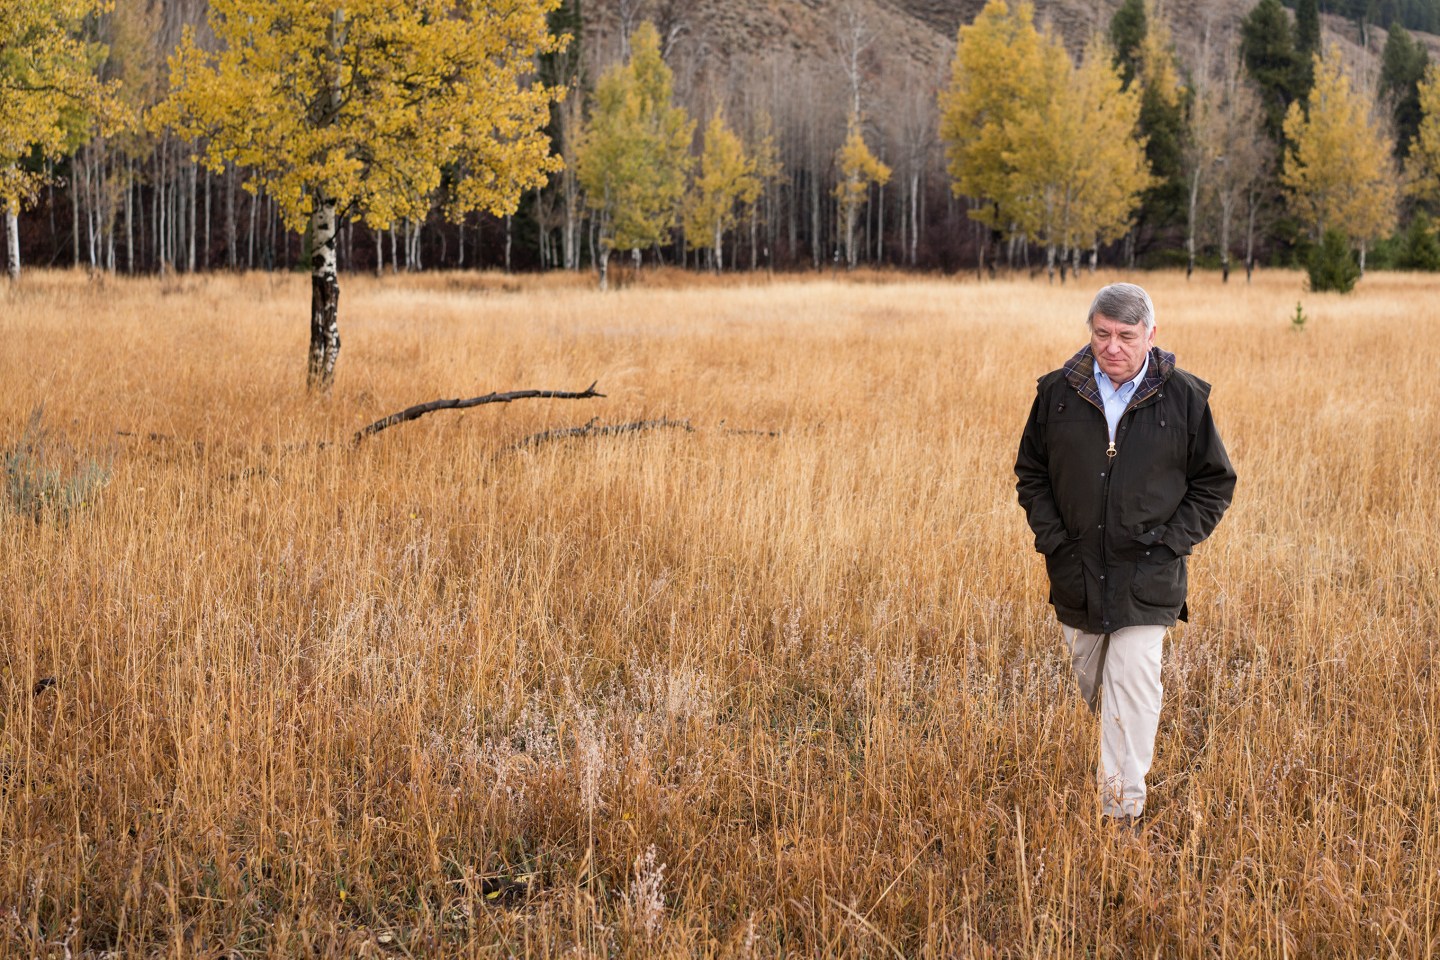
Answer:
[(1121, 473)]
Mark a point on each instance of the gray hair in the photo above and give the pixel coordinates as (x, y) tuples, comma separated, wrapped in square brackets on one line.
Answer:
[(1122, 303)]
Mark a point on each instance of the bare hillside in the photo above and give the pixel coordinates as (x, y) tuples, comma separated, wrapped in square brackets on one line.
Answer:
[(717, 46)]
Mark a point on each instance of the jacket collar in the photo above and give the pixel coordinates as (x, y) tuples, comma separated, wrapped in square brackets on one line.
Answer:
[(1080, 374)]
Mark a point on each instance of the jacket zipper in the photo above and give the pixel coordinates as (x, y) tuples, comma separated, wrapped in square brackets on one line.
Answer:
[(1111, 454)]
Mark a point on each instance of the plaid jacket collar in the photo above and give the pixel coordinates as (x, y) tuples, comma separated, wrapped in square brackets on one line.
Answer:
[(1080, 374)]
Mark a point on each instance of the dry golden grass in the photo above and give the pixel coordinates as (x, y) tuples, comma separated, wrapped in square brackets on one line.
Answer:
[(437, 696)]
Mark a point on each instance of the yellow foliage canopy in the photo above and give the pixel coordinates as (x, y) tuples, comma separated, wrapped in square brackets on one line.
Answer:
[(48, 89), (1052, 148), (635, 153), (1338, 173), (364, 103), (728, 178), (1424, 167)]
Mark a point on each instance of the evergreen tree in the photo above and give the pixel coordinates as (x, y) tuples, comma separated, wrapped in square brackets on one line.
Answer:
[(1127, 35), (1307, 44), (1144, 54), (1331, 265), (1402, 68), (1267, 45)]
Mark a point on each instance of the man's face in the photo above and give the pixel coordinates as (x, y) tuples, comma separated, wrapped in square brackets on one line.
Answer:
[(1120, 348)]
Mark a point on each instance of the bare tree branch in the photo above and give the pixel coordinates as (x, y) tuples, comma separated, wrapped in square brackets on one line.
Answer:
[(591, 429), (420, 409)]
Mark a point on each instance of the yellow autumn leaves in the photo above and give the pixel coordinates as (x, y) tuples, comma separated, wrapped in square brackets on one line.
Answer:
[(367, 103), (1047, 146), (49, 92)]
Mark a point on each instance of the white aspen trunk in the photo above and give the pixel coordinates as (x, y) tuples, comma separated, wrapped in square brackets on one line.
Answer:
[(754, 236), (1362, 258), (205, 252), (108, 247), (1226, 205), (324, 279), (75, 225), (852, 211), (161, 220), (250, 234), (1253, 203), (92, 216), (914, 216), (1190, 222), (509, 238), (379, 252), (394, 255), (324, 296), (12, 239), (192, 196), (571, 238), (880, 224), (815, 238), (719, 249), (604, 260), (232, 251), (1050, 263), (129, 218)]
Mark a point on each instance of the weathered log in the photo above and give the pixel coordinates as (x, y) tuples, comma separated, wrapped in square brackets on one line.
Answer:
[(593, 429), (420, 409)]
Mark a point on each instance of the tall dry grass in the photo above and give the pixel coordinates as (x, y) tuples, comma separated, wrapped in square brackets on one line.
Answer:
[(714, 693)]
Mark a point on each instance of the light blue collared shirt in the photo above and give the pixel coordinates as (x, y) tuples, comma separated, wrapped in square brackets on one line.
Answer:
[(1116, 399)]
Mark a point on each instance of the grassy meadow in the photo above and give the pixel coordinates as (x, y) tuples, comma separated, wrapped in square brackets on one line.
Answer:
[(782, 684)]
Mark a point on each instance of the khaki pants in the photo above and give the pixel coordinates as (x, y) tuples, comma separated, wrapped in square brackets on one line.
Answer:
[(1119, 675)]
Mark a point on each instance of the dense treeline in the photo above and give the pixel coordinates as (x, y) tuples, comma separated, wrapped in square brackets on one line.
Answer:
[(1133, 149), (1411, 14)]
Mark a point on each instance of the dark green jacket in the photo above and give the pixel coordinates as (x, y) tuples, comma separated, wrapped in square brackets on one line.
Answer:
[(1115, 531)]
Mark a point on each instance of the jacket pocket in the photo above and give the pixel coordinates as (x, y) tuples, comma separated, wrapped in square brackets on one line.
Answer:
[(1160, 579), (1067, 575)]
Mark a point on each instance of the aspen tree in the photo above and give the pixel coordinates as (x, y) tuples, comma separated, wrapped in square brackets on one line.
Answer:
[(767, 170), (634, 156), (1423, 166), (997, 77), (858, 169), (1338, 174), (353, 109), (49, 94), (1242, 157), (1114, 172), (727, 180), (1079, 169)]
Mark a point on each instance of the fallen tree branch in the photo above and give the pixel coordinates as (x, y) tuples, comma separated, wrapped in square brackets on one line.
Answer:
[(592, 429), (420, 409)]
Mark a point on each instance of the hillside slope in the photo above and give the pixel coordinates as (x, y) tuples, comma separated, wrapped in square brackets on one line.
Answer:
[(718, 43)]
